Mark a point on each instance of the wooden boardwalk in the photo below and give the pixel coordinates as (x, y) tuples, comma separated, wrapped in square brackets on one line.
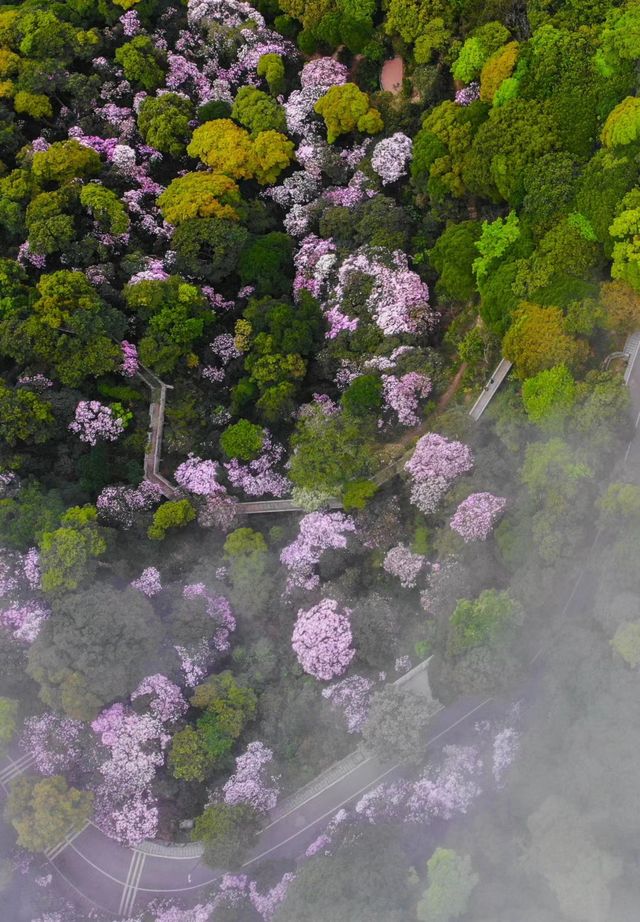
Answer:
[(153, 453)]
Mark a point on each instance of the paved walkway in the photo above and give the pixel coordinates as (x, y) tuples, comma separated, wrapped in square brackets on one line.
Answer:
[(490, 389)]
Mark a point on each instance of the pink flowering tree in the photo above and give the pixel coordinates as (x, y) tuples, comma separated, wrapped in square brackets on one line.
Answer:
[(94, 422), (402, 395), (130, 362), (24, 619), (120, 506), (402, 563), (352, 696), (476, 516), (148, 582), (435, 464), (324, 72), (506, 745), (318, 532), (391, 157), (125, 808), (322, 639), (54, 742), (259, 477), (198, 476), (249, 783), (219, 610), (399, 299)]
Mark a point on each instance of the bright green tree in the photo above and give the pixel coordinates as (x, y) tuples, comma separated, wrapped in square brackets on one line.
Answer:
[(242, 440), (626, 642), (258, 111), (273, 153), (549, 396), (451, 883), (24, 416), (224, 147), (200, 195), (67, 552), (163, 121), (480, 621), (142, 62), (43, 811), (173, 514), (537, 340), (227, 832), (65, 160), (453, 257), (345, 108), (8, 721), (187, 758)]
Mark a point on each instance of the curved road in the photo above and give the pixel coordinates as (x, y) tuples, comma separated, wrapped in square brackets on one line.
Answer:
[(121, 880)]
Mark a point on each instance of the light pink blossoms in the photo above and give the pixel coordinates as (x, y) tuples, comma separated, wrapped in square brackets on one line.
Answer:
[(435, 464), (249, 784), (130, 361), (476, 516), (96, 422), (318, 531), (403, 394), (391, 156), (198, 476), (353, 696), (148, 582), (401, 562), (322, 640), (53, 741)]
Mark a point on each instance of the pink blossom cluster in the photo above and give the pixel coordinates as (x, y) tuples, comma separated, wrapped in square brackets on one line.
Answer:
[(441, 792), (27, 255), (313, 262), (96, 422), (125, 808), (299, 189), (9, 484), (449, 789), (399, 299), (218, 511), (224, 346), (353, 696), (322, 639), (318, 531), (31, 567), (321, 844), (38, 381), (476, 516), (167, 701), (402, 563), (54, 742), (324, 72), (153, 271), (403, 394), (505, 749), (194, 661), (356, 191), (391, 157), (435, 464), (24, 619), (468, 94), (198, 476), (249, 784), (130, 362), (300, 114), (232, 14), (219, 610), (130, 23), (119, 505), (200, 913), (236, 888), (148, 582), (258, 477)]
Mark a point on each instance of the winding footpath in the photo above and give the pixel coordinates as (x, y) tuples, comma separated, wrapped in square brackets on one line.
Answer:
[(122, 881)]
